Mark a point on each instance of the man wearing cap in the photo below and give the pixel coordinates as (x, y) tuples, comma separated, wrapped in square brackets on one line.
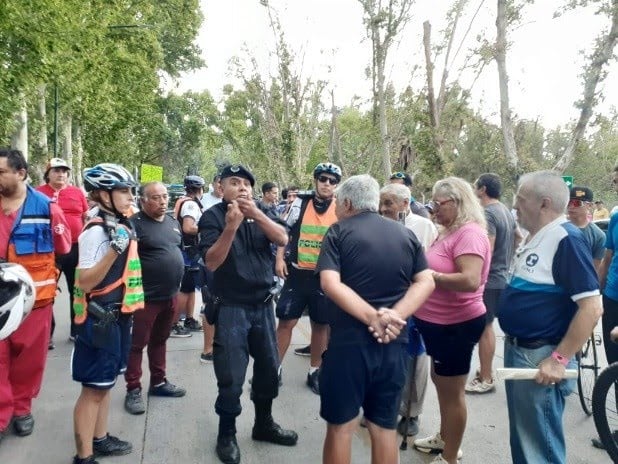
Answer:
[(580, 201), (309, 218), (73, 204), (235, 238), (600, 211), (405, 179)]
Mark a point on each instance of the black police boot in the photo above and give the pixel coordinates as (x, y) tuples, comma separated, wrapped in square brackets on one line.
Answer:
[(272, 432), (227, 449)]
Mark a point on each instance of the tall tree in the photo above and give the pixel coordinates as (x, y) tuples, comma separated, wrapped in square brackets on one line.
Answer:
[(383, 19), (593, 74)]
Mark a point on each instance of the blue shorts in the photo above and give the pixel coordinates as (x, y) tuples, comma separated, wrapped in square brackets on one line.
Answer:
[(450, 346), (368, 376), (302, 290), (98, 367), (192, 279)]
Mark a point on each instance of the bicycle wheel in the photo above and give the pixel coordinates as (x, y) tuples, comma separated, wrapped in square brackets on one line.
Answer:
[(588, 371), (604, 409)]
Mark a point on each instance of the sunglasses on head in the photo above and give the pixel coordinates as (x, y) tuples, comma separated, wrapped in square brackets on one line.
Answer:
[(330, 180), (398, 175), (576, 203)]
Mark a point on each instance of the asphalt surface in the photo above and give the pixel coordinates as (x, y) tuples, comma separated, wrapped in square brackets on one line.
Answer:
[(183, 430)]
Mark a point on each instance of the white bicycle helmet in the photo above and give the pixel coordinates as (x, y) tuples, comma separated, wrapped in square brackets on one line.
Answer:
[(17, 295), (107, 176), (327, 168)]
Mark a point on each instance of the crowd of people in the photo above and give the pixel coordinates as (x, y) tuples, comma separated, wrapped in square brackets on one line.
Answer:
[(397, 292)]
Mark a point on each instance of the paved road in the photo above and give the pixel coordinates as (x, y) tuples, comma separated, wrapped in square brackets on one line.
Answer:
[(184, 430)]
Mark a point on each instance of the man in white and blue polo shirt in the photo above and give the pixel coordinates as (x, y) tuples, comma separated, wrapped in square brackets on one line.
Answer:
[(547, 312)]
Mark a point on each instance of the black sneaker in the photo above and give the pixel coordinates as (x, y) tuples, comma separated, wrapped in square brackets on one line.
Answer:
[(133, 402), (313, 381), (206, 358), (304, 351), (192, 325), (88, 460), (167, 389), (111, 446), (23, 425), (178, 331), (51, 345)]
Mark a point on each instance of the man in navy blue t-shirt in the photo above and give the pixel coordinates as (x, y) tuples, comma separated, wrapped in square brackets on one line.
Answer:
[(374, 272)]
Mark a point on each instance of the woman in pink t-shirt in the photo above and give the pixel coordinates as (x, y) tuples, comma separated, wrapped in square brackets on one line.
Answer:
[(453, 318)]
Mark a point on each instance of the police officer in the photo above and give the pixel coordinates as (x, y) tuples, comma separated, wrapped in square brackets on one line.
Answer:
[(235, 237)]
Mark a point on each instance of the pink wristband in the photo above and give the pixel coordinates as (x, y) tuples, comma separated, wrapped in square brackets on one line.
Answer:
[(561, 359)]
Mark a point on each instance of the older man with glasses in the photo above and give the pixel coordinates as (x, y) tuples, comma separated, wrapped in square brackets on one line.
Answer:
[(158, 248), (405, 179)]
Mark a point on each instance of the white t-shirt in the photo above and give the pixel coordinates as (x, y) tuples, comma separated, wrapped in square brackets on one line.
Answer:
[(423, 228), (190, 208), (209, 200), (93, 244)]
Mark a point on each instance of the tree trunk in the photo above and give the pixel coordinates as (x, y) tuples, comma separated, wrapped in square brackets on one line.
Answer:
[(384, 137), (79, 156), (434, 115), (67, 138), (19, 138), (592, 76), (42, 114), (508, 137)]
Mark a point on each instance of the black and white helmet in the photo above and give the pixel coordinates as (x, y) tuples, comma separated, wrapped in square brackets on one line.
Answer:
[(194, 182), (107, 176), (17, 293)]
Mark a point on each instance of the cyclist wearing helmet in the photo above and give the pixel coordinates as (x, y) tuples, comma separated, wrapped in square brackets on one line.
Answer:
[(32, 231), (308, 219), (189, 211), (108, 290)]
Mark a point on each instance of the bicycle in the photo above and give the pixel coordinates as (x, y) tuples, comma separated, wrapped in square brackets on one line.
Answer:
[(587, 371), (604, 400)]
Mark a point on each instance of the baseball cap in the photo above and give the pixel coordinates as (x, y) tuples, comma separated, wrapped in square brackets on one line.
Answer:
[(57, 163), (581, 193)]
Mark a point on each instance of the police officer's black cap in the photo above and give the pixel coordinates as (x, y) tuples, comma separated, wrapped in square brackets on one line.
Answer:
[(237, 170)]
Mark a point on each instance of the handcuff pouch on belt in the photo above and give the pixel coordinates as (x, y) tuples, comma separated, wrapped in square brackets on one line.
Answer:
[(103, 323)]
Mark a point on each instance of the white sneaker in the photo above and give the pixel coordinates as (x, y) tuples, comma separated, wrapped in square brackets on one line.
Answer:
[(478, 385), (440, 460), (433, 444)]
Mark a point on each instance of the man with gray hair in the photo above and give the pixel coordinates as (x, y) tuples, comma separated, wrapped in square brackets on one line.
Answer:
[(374, 272), (547, 312)]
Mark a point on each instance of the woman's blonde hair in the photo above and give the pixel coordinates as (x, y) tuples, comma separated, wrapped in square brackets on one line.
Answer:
[(469, 208)]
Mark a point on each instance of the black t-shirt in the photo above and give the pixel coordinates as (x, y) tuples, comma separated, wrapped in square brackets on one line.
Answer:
[(246, 275), (158, 246), (377, 258)]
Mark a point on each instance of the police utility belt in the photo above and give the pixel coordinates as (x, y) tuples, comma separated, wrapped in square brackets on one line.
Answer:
[(213, 303)]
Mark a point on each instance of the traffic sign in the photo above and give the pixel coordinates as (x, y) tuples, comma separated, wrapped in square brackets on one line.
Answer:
[(568, 180)]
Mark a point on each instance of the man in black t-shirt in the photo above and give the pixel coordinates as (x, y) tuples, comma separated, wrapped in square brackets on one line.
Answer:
[(235, 239), (374, 271), (158, 247)]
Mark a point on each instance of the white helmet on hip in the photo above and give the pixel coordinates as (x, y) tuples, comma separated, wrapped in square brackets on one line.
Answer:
[(17, 293)]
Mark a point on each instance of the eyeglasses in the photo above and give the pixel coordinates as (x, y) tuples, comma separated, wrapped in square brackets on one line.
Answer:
[(435, 205), (330, 180), (398, 175), (576, 203)]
